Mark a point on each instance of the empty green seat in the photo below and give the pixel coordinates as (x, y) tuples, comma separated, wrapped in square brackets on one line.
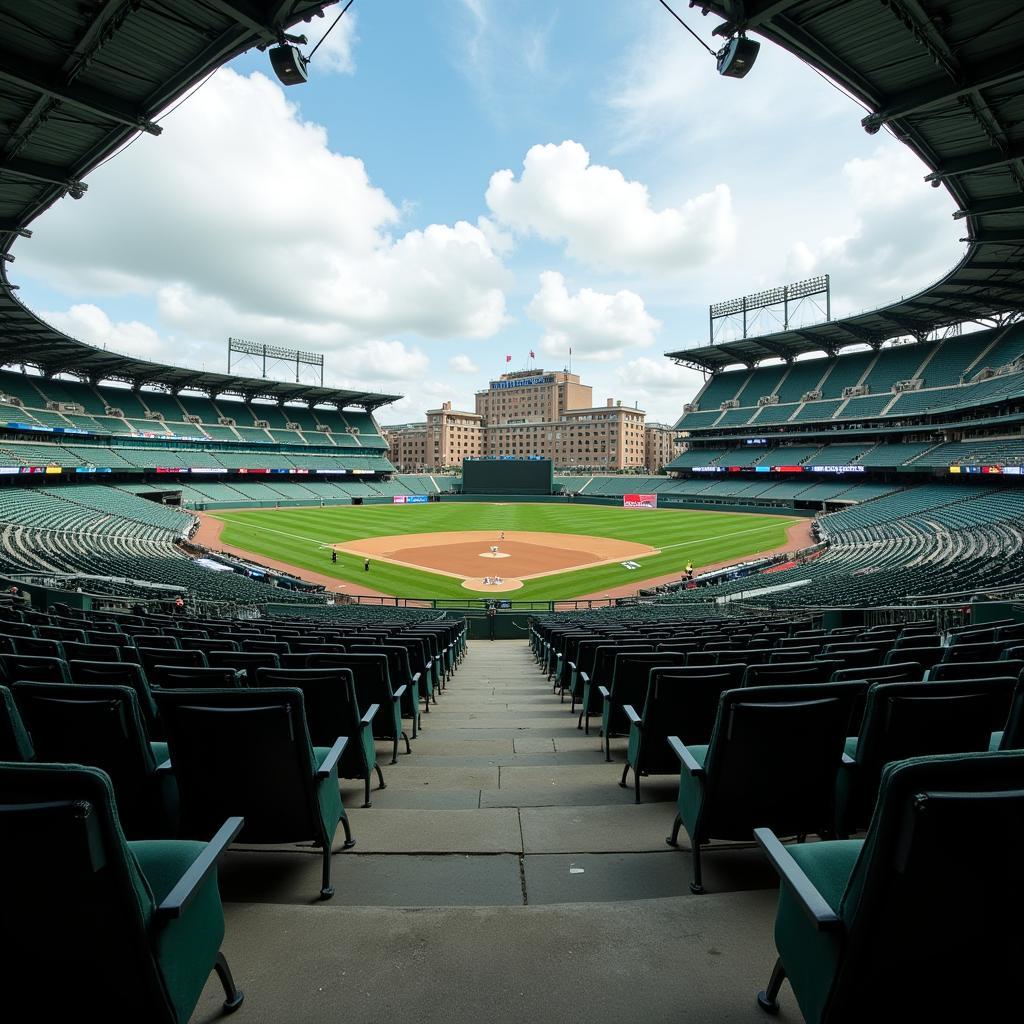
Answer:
[(904, 720), (249, 750), (332, 710), (772, 761), (911, 923), (681, 702), (96, 927)]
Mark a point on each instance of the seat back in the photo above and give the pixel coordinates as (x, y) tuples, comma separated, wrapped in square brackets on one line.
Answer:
[(150, 656), (35, 669), (787, 673), (1013, 732), (774, 755), (975, 670), (39, 647), (630, 679), (680, 702), (71, 865), (91, 652), (933, 906), (243, 661), (903, 720), (186, 677), (101, 726), (123, 673), (15, 744), (896, 672), (242, 752), (329, 696)]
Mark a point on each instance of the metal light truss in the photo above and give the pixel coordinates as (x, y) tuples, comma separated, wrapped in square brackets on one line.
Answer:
[(783, 295), (276, 354)]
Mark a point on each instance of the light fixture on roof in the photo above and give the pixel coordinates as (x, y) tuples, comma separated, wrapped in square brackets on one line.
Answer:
[(290, 66), (289, 63), (737, 57), (734, 59)]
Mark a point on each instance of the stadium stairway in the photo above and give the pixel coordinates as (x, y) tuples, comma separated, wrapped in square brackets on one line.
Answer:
[(502, 875)]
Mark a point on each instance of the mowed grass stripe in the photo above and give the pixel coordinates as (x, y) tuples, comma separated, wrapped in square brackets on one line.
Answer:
[(296, 536)]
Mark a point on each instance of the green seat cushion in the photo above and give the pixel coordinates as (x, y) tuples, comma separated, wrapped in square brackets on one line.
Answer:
[(185, 947)]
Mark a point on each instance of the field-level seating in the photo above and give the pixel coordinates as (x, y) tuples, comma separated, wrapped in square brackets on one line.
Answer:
[(140, 923), (912, 922)]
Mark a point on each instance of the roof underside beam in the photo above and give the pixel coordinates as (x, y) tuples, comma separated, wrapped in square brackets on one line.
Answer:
[(1000, 204), (26, 75), (915, 101), (35, 171), (983, 160)]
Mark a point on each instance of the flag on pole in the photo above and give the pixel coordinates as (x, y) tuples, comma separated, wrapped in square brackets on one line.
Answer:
[(508, 359), (532, 356)]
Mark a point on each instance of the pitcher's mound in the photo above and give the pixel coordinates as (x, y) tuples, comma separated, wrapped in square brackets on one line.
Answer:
[(477, 583), (494, 554)]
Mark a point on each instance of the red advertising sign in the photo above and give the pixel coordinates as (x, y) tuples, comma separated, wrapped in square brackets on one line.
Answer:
[(639, 501)]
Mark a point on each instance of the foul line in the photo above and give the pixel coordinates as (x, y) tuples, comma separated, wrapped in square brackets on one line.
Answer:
[(723, 536), (267, 529)]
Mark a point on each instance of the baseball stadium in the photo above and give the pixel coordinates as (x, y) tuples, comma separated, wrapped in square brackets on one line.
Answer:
[(290, 731)]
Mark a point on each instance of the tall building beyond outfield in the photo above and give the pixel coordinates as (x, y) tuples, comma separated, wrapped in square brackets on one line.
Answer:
[(528, 412)]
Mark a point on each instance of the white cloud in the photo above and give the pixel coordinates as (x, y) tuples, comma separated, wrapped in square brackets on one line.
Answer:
[(91, 324), (900, 241), (595, 325), (231, 229), (336, 53), (606, 220), (385, 360), (660, 386), (463, 364)]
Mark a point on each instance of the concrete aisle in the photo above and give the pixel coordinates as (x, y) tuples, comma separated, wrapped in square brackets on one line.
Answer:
[(502, 874)]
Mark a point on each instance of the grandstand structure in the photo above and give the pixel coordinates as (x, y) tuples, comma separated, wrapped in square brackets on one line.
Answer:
[(916, 405)]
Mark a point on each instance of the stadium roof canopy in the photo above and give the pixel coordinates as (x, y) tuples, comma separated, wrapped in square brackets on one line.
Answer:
[(77, 82), (946, 77)]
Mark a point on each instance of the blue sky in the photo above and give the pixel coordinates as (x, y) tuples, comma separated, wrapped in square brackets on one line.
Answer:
[(466, 179)]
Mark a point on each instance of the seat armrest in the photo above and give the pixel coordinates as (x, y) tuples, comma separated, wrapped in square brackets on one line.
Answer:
[(631, 714), (848, 762), (331, 760), (604, 691), (586, 679), (803, 889), (686, 759), (165, 767), (370, 712), (178, 899), (572, 665), (415, 678), (400, 692)]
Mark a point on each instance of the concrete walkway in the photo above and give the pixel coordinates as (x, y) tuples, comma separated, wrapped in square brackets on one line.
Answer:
[(502, 874)]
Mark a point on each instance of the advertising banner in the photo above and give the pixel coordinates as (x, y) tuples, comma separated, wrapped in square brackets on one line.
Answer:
[(409, 499), (639, 501)]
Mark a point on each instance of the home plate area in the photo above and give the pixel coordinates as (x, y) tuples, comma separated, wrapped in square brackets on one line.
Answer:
[(520, 555)]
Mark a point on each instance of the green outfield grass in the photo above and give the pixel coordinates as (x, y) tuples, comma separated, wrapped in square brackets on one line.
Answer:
[(297, 536)]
